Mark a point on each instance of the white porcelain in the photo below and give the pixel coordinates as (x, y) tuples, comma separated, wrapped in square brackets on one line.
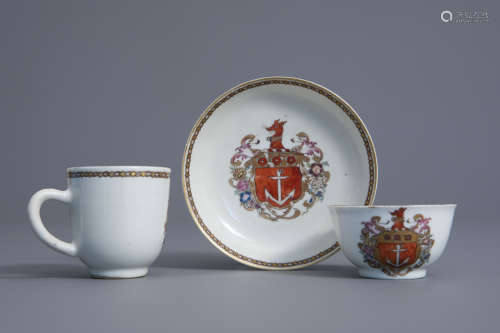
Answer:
[(118, 215), (268, 215), (393, 242)]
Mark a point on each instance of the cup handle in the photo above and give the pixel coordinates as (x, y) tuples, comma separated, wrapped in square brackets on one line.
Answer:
[(45, 236)]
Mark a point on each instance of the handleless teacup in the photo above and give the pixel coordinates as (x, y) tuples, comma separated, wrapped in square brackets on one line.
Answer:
[(118, 216), (392, 242)]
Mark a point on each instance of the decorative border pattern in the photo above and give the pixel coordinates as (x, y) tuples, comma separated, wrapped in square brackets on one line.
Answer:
[(370, 150), (123, 174)]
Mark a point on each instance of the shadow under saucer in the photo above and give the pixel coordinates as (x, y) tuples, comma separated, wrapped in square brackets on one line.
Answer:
[(330, 271), (199, 260), (214, 261)]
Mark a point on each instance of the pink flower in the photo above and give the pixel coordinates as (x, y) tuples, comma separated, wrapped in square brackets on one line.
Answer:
[(242, 185), (316, 169)]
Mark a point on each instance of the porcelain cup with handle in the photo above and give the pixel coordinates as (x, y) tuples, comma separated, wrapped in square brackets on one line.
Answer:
[(118, 216)]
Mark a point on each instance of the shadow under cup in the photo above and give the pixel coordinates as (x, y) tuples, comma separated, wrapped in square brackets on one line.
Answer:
[(392, 242), (118, 216)]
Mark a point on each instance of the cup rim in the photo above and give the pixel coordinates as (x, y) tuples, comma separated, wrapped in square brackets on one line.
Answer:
[(114, 168), (333, 205)]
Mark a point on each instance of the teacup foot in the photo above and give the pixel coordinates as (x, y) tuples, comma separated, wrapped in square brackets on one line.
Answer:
[(127, 273), (377, 274)]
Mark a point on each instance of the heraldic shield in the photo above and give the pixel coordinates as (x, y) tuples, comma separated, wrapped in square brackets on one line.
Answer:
[(398, 246), (398, 249), (279, 182)]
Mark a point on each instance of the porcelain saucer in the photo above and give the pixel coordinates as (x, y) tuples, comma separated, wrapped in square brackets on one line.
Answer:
[(263, 160)]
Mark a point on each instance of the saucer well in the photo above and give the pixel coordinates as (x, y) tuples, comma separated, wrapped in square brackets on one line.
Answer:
[(263, 160)]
